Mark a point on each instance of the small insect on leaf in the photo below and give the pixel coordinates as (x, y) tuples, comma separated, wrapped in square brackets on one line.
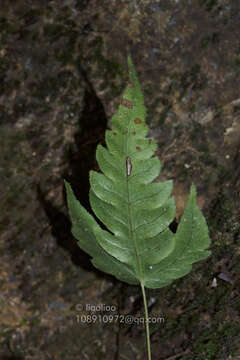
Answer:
[(128, 166)]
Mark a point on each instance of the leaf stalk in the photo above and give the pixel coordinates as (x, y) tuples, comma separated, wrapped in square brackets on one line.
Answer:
[(146, 322)]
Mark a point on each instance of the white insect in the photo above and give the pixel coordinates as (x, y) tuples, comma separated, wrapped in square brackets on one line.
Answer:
[(128, 166)]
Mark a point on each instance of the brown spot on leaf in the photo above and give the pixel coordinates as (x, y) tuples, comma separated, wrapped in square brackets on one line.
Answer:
[(127, 103), (137, 121), (134, 132), (114, 134), (138, 148)]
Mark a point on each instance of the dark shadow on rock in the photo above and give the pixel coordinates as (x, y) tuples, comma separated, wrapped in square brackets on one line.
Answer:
[(92, 125), (61, 231)]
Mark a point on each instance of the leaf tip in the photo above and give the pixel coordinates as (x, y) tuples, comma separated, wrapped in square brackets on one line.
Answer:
[(129, 60), (193, 191)]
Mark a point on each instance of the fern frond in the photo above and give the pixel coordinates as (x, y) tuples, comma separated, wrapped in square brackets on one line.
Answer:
[(138, 246)]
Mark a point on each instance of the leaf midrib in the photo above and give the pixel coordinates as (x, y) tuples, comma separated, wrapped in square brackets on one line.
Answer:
[(132, 237)]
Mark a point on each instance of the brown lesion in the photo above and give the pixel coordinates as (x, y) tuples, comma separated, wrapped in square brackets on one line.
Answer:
[(138, 148), (127, 103), (137, 121)]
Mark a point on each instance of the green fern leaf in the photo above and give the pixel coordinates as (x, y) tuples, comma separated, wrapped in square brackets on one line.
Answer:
[(139, 247)]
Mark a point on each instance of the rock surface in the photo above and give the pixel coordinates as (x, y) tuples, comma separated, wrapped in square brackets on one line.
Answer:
[(62, 71)]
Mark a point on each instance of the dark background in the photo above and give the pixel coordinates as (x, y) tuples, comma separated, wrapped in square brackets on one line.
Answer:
[(62, 71)]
